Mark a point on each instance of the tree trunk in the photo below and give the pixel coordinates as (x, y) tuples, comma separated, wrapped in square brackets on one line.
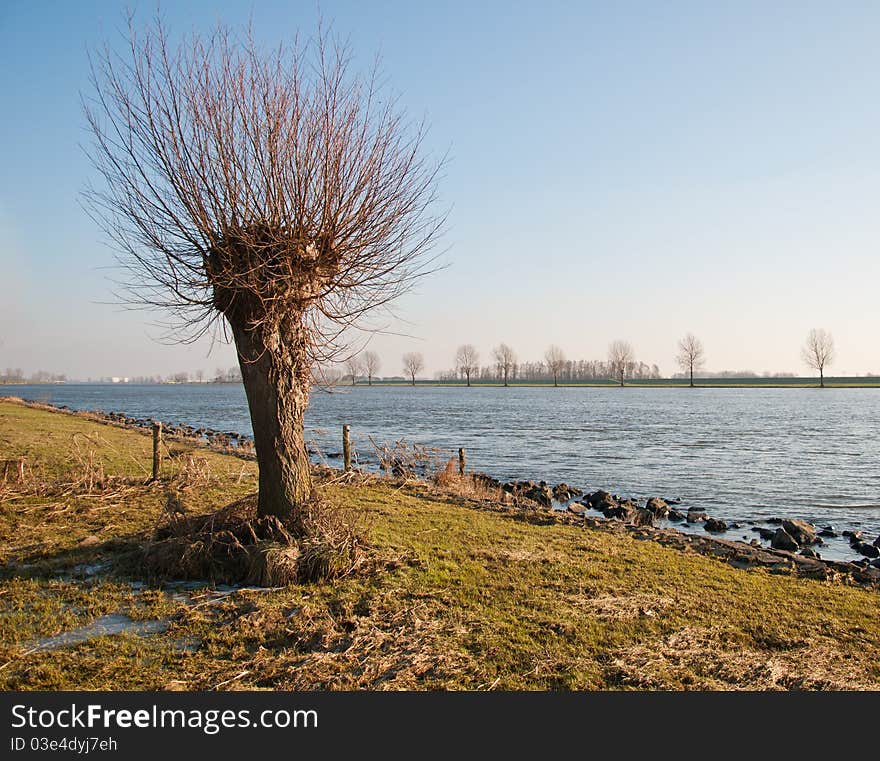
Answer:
[(275, 373), (692, 376), (369, 380), (821, 377), (468, 375), (555, 381)]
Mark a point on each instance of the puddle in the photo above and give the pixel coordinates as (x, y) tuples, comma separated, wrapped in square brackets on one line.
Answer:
[(114, 623), (88, 570)]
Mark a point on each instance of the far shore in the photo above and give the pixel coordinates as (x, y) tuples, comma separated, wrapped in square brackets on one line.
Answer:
[(699, 383), (854, 382)]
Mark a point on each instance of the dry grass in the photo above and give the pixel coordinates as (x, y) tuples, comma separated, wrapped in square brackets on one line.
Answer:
[(403, 459), (697, 658)]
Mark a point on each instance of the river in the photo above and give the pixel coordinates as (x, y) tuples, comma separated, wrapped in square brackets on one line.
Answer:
[(742, 454)]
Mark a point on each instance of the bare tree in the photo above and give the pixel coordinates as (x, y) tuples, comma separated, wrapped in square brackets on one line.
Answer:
[(372, 363), (273, 191), (200, 375), (467, 361), (691, 355), (505, 359), (818, 352), (354, 366), (555, 358), (413, 364), (621, 358)]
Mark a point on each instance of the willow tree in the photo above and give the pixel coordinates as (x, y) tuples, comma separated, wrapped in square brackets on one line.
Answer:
[(271, 191), (818, 352), (621, 358), (555, 358), (691, 355), (467, 361)]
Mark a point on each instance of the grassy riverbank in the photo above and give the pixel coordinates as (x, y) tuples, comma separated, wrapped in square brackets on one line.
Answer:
[(464, 599)]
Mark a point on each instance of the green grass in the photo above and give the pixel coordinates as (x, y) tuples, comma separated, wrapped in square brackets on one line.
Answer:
[(465, 598)]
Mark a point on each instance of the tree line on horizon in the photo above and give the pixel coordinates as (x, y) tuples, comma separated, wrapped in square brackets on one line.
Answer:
[(818, 353)]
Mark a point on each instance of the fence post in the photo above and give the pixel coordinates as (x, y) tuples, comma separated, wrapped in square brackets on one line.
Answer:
[(346, 447), (157, 451), (461, 461)]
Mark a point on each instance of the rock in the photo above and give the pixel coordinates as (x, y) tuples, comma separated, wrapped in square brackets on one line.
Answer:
[(564, 492), (643, 518), (658, 506), (599, 497), (877, 542), (807, 552), (775, 521), (782, 540), (801, 531), (577, 508), (755, 543), (765, 533), (875, 563), (696, 515), (89, 541), (543, 495), (868, 550), (675, 515), (853, 535), (828, 532), (715, 526), (622, 512)]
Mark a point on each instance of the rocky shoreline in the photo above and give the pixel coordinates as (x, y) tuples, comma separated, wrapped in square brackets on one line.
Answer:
[(791, 542), (643, 520), (788, 535)]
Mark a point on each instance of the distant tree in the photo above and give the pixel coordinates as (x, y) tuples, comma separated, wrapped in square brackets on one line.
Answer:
[(200, 375), (555, 358), (413, 364), (372, 363), (621, 358), (691, 355), (818, 352), (467, 361), (354, 368), (270, 189), (505, 361)]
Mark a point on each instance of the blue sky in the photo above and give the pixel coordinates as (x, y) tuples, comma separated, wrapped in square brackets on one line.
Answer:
[(628, 170)]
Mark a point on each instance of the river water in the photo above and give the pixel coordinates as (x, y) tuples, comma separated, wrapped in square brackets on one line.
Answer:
[(742, 454)]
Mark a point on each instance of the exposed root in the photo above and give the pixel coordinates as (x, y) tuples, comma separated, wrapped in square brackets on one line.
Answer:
[(235, 545)]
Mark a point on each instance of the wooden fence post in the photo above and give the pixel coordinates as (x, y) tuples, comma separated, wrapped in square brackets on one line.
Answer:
[(157, 451), (461, 461), (346, 447)]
